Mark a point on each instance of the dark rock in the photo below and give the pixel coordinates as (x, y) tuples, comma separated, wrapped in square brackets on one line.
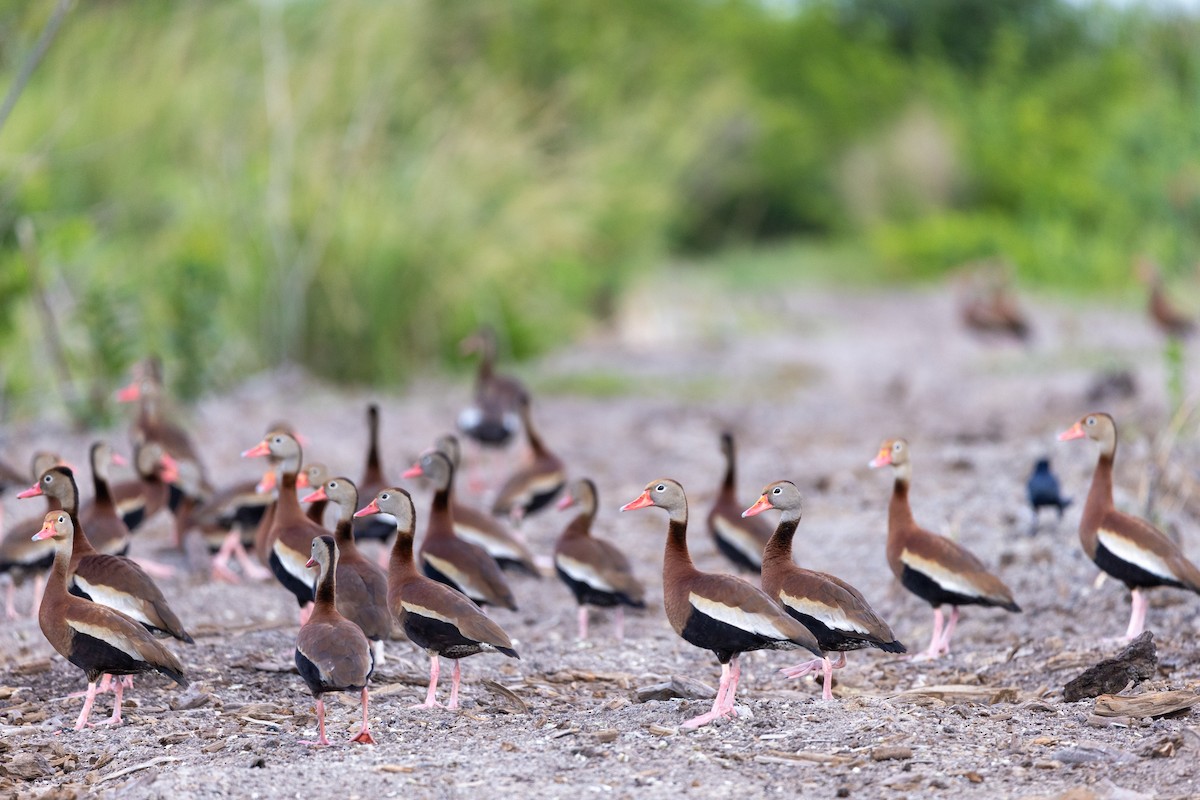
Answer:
[(1134, 664)]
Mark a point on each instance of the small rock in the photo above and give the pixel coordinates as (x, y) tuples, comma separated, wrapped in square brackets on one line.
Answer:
[(1164, 747), (607, 735), (1134, 664), (679, 686), (889, 752), (974, 777), (27, 767), (192, 700), (843, 791), (1091, 753), (174, 738)]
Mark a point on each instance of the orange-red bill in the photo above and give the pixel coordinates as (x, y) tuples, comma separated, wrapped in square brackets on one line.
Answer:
[(1076, 431), (371, 508), (32, 491), (130, 393), (414, 471), (312, 562), (762, 505), (260, 449), (882, 459), (642, 501), (565, 501), (319, 494)]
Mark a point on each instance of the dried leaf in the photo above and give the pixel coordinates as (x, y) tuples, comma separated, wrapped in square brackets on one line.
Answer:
[(1151, 704)]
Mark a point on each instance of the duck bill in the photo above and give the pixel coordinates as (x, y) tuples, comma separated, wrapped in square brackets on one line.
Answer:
[(371, 508), (882, 459), (414, 471), (642, 501), (46, 532), (319, 494), (762, 505), (312, 562), (170, 471), (120, 460), (129, 394), (260, 449), (1076, 431), (302, 481), (32, 491), (565, 502)]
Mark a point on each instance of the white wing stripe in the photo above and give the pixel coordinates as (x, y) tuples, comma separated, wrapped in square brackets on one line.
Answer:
[(737, 538), (583, 572), (947, 579), (737, 617), (108, 636), (455, 574), (833, 618), (1126, 550)]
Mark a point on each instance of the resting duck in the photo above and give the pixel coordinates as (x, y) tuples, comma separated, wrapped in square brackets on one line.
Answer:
[(290, 536), (716, 612), (445, 557), (22, 556), (362, 586), (740, 540), (833, 611), (534, 486), (1128, 548), (93, 637), (113, 581), (596, 572), (435, 617), (934, 568), (473, 525), (332, 654)]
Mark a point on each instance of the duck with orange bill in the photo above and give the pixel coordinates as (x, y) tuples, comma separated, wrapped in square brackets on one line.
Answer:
[(332, 653), (740, 540), (21, 556), (712, 611), (97, 639), (833, 611), (1126, 547), (934, 568), (439, 619)]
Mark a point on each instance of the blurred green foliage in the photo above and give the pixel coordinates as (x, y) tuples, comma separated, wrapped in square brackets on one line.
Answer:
[(356, 185)]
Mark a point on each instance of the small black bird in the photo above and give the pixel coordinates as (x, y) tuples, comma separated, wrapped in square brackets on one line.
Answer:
[(1043, 490)]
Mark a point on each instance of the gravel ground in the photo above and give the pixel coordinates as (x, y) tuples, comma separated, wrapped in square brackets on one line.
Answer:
[(811, 381)]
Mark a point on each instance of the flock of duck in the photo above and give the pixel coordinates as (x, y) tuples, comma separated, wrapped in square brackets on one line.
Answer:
[(103, 612)]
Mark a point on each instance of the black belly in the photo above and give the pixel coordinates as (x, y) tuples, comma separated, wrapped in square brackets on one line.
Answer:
[(725, 640), (932, 592), (438, 636), (735, 555), (829, 638), (542, 499), (96, 657), (586, 594), (21, 569), (1131, 575), (491, 432), (373, 528), (134, 517), (302, 590)]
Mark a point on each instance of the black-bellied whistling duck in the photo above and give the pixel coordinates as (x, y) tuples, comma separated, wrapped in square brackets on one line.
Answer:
[(535, 485), (1165, 315), (934, 568), (740, 540), (362, 586), (107, 532), (376, 528), (91, 636), (479, 528), (494, 414), (832, 610), (435, 617), (716, 612), (140, 499), (113, 581), (596, 572), (1128, 548), (447, 558), (22, 556), (988, 305), (151, 425), (332, 654), (311, 476), (291, 533), (227, 522)]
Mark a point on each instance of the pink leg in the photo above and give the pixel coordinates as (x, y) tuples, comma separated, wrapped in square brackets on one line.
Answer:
[(1139, 603), (219, 568), (948, 633), (119, 689), (10, 605), (735, 675), (803, 668), (82, 722), (704, 719), (251, 570), (434, 669), (840, 661), (453, 704), (620, 624), (364, 735), (935, 640), (321, 740), (583, 623)]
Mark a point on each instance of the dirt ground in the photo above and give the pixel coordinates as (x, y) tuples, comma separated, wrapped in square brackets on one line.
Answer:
[(811, 380)]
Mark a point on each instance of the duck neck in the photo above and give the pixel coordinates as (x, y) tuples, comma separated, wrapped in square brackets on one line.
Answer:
[(401, 560), (676, 559), (1100, 495), (325, 593), (779, 547), (80, 546), (899, 512)]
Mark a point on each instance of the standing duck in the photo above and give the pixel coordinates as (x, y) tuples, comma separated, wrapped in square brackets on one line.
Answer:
[(833, 611), (1128, 548), (113, 581), (447, 558), (596, 572), (291, 533), (140, 499), (22, 556), (435, 617), (535, 485), (332, 654), (712, 611), (934, 568), (738, 539), (1166, 316), (227, 521), (377, 528), (93, 637), (493, 416), (107, 531), (362, 586), (479, 528)]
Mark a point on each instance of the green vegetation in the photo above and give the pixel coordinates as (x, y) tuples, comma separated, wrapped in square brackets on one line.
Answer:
[(355, 185)]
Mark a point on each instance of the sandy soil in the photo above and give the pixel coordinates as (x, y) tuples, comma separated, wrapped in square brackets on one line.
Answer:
[(811, 381)]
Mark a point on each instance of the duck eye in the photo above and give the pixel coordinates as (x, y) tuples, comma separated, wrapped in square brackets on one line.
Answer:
[(1091, 421), (660, 488), (333, 484), (896, 447), (384, 495), (62, 519), (777, 490), (48, 478)]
